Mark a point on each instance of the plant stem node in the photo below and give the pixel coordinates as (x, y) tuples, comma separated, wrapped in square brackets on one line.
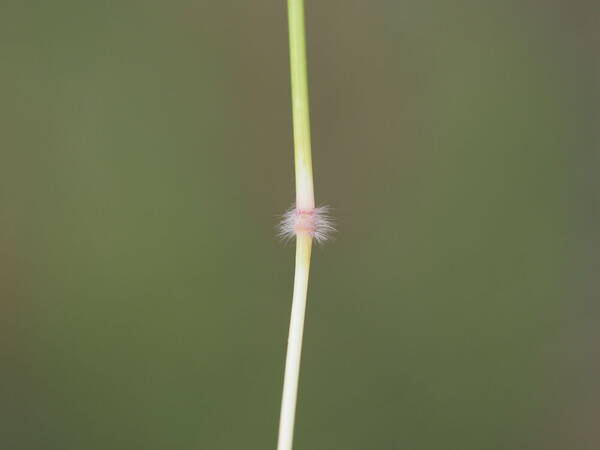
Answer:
[(315, 222)]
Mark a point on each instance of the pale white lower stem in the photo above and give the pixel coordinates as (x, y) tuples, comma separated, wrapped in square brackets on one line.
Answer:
[(294, 350)]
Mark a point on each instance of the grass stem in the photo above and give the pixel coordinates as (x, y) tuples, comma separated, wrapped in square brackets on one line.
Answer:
[(305, 204), (294, 350)]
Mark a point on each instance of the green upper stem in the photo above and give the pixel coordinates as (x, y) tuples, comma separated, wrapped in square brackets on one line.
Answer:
[(305, 198)]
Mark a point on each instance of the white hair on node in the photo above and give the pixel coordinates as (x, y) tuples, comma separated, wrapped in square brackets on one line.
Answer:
[(317, 222)]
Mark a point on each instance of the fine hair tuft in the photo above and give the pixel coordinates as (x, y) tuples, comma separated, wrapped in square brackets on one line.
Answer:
[(316, 222)]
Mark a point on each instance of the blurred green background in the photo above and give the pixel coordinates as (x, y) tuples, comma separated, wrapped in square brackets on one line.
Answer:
[(146, 152)]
